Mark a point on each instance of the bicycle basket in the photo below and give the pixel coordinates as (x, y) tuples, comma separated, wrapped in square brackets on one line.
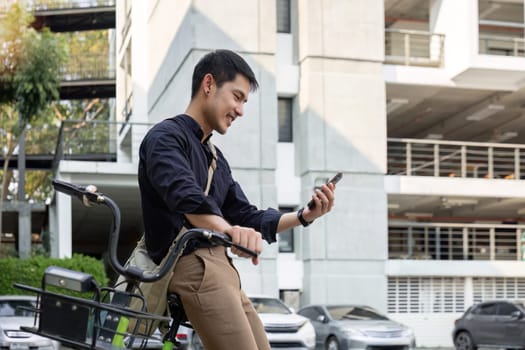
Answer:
[(99, 321)]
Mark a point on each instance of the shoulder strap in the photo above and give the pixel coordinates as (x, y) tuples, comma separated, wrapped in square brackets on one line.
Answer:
[(212, 167)]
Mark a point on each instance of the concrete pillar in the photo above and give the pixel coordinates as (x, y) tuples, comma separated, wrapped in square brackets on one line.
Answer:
[(458, 21), (342, 127), (62, 242), (53, 231), (24, 230), (140, 73)]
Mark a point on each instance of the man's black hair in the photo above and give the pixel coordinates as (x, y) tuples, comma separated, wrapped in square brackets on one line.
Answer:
[(224, 65)]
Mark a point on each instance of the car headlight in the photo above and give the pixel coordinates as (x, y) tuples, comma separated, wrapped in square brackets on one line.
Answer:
[(15, 333), (307, 332), (353, 332), (407, 332)]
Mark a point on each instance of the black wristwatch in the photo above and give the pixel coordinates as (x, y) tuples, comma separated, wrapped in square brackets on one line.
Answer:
[(301, 218)]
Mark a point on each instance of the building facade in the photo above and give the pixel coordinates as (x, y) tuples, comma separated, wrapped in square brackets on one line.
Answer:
[(418, 102)]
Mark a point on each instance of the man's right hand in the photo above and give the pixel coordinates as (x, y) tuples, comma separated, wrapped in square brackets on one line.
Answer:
[(246, 237)]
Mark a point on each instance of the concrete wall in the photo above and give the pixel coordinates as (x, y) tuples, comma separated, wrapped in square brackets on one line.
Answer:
[(341, 126)]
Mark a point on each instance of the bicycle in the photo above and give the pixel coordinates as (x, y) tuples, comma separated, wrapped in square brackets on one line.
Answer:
[(103, 321)]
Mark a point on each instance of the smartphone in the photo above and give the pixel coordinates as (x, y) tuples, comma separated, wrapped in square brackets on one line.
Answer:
[(334, 180)]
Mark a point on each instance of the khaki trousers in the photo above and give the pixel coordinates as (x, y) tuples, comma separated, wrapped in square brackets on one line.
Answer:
[(221, 313)]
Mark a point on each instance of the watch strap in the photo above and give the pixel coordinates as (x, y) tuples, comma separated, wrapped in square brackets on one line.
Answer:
[(301, 218)]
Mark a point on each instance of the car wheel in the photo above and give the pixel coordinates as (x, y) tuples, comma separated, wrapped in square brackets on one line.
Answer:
[(464, 341), (332, 343), (196, 343)]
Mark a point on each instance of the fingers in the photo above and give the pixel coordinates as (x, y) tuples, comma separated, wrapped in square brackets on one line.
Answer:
[(324, 198), (246, 237)]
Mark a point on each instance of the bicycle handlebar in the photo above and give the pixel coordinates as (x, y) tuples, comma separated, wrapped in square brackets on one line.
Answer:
[(88, 195)]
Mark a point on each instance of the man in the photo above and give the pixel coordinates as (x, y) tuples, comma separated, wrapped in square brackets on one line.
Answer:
[(175, 157)]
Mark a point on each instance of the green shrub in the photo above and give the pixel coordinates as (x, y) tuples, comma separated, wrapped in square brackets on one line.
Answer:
[(30, 271)]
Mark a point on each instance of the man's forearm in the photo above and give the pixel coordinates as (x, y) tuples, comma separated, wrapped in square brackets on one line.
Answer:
[(209, 221), (287, 221)]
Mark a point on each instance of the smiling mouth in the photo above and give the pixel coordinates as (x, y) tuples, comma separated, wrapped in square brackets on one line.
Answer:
[(231, 118)]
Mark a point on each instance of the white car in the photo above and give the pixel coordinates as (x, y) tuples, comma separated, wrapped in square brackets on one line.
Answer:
[(285, 329), (13, 315)]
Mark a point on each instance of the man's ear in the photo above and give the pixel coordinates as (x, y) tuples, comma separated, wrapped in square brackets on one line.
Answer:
[(207, 83)]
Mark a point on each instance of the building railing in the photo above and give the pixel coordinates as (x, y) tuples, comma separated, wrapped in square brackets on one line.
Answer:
[(96, 141), (449, 241), (88, 67), (413, 157), (501, 45), (38, 141), (414, 48), (41, 5)]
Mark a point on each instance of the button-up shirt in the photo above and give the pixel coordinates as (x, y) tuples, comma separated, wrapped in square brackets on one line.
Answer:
[(172, 174)]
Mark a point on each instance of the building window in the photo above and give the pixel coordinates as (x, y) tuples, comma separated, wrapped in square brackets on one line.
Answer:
[(426, 294), (497, 288), (283, 16), (285, 238), (284, 111), (501, 28), (291, 297)]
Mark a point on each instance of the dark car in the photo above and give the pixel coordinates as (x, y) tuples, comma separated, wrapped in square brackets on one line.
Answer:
[(356, 327), (491, 323)]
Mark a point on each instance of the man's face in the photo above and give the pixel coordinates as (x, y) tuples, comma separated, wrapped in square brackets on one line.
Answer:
[(226, 103)]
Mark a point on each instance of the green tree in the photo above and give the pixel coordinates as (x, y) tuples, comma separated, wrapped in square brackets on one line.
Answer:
[(29, 79), (89, 57)]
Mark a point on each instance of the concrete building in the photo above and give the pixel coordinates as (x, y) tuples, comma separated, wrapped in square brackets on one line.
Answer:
[(418, 102)]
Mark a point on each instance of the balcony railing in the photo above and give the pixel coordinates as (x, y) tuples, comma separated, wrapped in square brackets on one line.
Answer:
[(413, 48), (43, 5), (412, 157), (88, 67), (427, 241), (40, 5), (97, 141), (501, 45)]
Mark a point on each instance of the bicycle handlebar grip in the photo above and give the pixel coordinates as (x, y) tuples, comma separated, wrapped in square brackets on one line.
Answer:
[(78, 191), (134, 272)]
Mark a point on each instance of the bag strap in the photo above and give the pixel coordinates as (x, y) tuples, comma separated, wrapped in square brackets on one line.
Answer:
[(212, 167)]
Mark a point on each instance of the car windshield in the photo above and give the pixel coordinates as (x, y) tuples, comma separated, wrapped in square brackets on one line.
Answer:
[(269, 306), (16, 308), (519, 303), (354, 313)]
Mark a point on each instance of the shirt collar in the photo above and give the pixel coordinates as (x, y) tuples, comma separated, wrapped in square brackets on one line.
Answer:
[(194, 126)]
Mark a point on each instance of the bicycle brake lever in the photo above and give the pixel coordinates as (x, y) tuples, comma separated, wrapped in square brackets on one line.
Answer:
[(225, 240), (244, 249)]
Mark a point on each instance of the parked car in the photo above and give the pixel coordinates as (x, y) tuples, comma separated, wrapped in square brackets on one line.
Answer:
[(356, 327), (285, 329), (14, 313), (493, 324)]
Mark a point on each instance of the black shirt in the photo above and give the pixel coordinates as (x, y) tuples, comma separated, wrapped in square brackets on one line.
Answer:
[(173, 171)]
